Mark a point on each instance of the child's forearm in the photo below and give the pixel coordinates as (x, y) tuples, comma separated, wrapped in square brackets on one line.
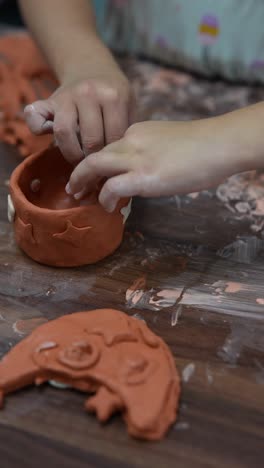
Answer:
[(243, 136), (66, 32)]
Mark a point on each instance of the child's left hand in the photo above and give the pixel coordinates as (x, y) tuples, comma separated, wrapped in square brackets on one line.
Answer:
[(159, 159)]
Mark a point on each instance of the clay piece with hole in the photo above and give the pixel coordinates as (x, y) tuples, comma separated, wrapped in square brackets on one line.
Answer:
[(105, 352), (51, 226)]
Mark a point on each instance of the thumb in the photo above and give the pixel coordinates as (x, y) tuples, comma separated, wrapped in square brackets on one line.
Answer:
[(39, 117), (120, 186)]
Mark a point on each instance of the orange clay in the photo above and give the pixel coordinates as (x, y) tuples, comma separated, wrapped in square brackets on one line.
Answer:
[(24, 78)]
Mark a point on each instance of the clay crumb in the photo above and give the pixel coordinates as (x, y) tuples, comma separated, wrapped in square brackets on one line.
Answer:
[(35, 185), (188, 372)]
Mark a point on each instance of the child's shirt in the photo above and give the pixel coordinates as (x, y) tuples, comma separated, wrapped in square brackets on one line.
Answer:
[(214, 37)]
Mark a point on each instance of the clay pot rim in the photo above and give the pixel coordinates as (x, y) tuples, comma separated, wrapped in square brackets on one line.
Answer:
[(20, 198)]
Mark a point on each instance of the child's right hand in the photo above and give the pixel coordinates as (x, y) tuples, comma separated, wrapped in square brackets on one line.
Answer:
[(92, 108), (156, 159)]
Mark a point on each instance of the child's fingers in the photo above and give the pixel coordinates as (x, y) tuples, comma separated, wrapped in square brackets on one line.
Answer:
[(96, 165), (91, 125), (124, 185), (115, 114), (39, 117), (65, 132), (117, 148), (132, 110)]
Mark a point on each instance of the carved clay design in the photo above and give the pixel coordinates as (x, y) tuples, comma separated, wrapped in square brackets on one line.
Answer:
[(105, 352), (24, 231), (137, 369), (72, 235), (79, 355), (11, 212)]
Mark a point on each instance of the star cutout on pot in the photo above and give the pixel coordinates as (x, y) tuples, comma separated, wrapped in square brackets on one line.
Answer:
[(72, 234), (25, 231)]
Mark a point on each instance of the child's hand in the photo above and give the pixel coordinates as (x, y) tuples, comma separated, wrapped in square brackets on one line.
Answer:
[(158, 159), (92, 108)]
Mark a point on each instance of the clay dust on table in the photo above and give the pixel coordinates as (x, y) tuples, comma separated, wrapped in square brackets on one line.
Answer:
[(138, 296), (243, 195), (219, 297), (26, 326), (228, 286), (260, 301)]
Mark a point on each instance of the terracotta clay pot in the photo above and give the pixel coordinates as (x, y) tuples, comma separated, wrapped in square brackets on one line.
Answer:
[(51, 226)]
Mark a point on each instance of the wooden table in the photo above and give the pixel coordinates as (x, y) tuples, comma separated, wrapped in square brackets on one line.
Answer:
[(216, 336)]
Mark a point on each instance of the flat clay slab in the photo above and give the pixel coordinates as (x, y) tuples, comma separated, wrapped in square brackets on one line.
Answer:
[(105, 352), (52, 227)]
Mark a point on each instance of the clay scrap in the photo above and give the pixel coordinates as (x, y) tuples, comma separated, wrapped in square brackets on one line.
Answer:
[(24, 78), (105, 352), (51, 226)]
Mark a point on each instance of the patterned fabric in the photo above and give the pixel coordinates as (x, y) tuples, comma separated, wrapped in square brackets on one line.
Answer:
[(213, 37)]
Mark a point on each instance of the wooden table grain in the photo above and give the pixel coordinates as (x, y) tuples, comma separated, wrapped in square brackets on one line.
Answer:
[(215, 335)]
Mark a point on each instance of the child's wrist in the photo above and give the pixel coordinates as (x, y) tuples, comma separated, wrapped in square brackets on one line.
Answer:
[(89, 53), (243, 138)]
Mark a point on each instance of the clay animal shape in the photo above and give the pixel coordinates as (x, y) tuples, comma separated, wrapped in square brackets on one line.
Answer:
[(105, 352)]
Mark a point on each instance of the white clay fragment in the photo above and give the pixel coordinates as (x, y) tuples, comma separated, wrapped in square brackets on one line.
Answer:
[(10, 209), (35, 185), (126, 210), (60, 385)]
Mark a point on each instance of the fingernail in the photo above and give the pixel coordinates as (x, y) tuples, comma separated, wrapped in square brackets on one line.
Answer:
[(48, 125), (78, 195), (29, 108), (68, 189)]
